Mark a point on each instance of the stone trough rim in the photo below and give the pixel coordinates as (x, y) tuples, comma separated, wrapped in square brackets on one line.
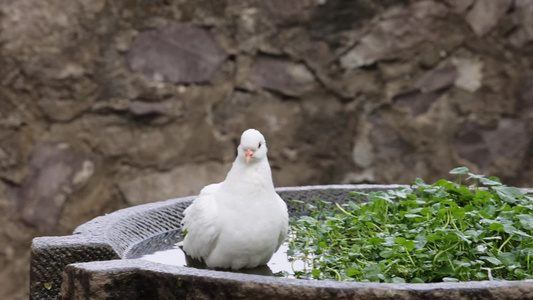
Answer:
[(146, 265), (96, 233)]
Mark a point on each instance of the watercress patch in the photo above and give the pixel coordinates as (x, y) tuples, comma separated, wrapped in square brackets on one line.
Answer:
[(444, 231)]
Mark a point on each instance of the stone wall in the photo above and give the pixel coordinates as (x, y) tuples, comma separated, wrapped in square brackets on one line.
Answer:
[(107, 104)]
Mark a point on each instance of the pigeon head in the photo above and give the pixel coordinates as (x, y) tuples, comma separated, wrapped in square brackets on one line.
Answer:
[(253, 146)]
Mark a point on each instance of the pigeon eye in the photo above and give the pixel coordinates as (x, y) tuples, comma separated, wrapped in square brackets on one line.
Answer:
[(259, 145)]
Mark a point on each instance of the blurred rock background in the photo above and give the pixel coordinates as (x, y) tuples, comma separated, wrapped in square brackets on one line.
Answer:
[(107, 104)]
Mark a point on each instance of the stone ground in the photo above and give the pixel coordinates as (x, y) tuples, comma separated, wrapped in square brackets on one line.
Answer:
[(107, 104)]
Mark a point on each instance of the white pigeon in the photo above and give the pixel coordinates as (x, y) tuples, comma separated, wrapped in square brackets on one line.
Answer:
[(240, 222)]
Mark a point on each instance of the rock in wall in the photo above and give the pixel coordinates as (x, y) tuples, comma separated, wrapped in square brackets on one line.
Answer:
[(105, 104)]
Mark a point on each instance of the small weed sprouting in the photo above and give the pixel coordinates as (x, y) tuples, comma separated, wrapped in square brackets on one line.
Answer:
[(445, 231)]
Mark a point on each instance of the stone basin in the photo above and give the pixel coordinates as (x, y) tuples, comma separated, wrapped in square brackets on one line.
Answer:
[(101, 261)]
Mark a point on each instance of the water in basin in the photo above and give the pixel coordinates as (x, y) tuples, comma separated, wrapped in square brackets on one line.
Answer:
[(279, 264)]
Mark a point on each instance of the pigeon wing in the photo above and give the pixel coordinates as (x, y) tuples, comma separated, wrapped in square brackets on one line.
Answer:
[(200, 221), (285, 222)]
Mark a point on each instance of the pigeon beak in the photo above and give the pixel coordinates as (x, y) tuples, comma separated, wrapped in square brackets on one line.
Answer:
[(249, 153)]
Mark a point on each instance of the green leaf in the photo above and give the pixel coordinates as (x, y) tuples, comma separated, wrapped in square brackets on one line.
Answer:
[(481, 275), (351, 272), (400, 240), (463, 237), (372, 272), (444, 183), (408, 244), (489, 210), (399, 193), (496, 226), (397, 280), (487, 181), (508, 258), (420, 183), (308, 220), (494, 178), (387, 253), (352, 205), (509, 194), (431, 237), (482, 195), (375, 240), (520, 274), (410, 216), (315, 273), (492, 260), (356, 248), (474, 176), (460, 170), (449, 202), (526, 221), (421, 241), (510, 229), (520, 232), (459, 213)]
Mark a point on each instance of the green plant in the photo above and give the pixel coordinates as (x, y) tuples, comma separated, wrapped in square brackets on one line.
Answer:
[(445, 231)]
